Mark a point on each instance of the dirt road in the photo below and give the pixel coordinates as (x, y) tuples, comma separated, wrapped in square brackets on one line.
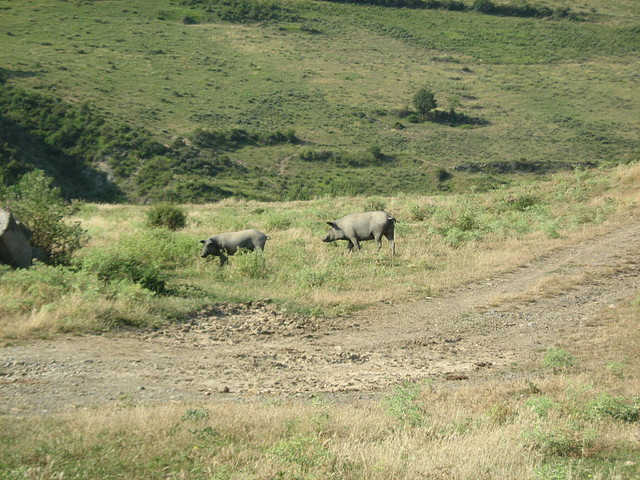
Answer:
[(252, 351)]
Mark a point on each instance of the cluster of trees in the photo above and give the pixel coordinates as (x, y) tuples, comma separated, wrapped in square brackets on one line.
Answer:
[(426, 108), (373, 156)]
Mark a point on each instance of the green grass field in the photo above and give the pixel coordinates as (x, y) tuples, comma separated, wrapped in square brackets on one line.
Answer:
[(546, 93)]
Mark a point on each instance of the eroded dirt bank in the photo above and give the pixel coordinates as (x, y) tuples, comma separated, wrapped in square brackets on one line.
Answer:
[(252, 351)]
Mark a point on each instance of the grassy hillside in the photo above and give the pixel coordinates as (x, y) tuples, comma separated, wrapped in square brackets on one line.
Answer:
[(533, 94)]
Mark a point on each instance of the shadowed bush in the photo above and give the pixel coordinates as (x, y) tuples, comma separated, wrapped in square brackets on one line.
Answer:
[(165, 215)]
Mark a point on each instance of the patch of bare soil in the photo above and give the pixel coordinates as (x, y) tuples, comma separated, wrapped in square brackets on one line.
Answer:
[(242, 352)]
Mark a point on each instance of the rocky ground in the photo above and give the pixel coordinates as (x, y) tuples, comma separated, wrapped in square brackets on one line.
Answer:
[(242, 352)]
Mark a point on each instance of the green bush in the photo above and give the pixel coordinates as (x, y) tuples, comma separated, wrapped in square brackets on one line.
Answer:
[(144, 258), (310, 277), (42, 284), (557, 359), (563, 441), (402, 404), (541, 405), (250, 264), (424, 101), (113, 267), (301, 453), (374, 204), (165, 215), (606, 405), (420, 212), (40, 206)]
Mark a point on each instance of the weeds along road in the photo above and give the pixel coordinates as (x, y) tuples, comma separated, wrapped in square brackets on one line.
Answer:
[(494, 329)]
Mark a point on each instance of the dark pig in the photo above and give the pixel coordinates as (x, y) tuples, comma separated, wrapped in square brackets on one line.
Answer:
[(357, 227), (229, 243)]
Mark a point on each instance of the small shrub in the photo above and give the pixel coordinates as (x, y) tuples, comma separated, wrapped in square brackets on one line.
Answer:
[(606, 405), (522, 202), (420, 212), (168, 216), (557, 359), (541, 405), (189, 20), (376, 151), (113, 267), (194, 414), (501, 414), (142, 258), (443, 175), (302, 452), (562, 441), (310, 278), (250, 264), (402, 405), (373, 204)]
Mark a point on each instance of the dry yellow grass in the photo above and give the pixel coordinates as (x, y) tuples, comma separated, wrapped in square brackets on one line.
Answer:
[(540, 428)]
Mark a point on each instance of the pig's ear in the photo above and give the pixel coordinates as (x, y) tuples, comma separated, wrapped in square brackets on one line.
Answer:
[(333, 225)]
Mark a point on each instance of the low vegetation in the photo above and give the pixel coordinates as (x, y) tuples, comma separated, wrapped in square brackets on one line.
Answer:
[(141, 265)]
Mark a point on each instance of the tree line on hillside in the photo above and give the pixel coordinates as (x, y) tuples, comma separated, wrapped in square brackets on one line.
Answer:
[(517, 9), (240, 11)]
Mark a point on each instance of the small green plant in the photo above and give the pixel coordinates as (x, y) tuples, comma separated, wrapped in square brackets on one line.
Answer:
[(113, 267), (617, 369), (420, 212), (606, 405), (501, 414), (168, 216), (194, 414), (522, 202), (551, 472), (558, 360), (541, 405), (373, 204), (310, 277), (302, 452), (565, 441), (402, 404), (250, 264)]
